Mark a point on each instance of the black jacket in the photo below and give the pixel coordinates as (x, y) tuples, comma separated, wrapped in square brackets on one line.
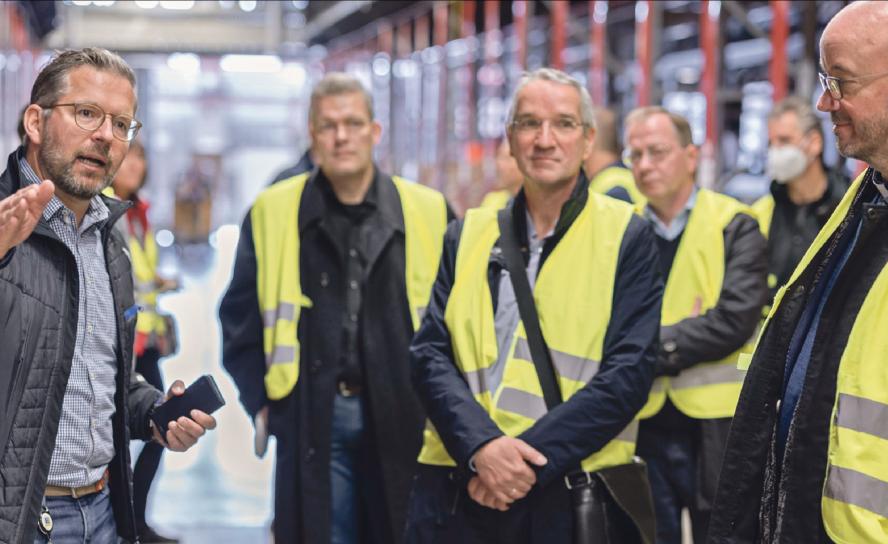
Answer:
[(302, 421), (38, 324), (750, 505), (794, 227), (590, 418)]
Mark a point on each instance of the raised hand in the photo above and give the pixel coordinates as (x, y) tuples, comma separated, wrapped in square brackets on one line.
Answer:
[(20, 212)]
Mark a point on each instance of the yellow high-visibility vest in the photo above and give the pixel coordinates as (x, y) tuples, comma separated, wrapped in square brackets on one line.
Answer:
[(144, 260), (496, 200), (763, 209), (854, 502), (573, 294), (706, 390), (616, 176), (275, 222)]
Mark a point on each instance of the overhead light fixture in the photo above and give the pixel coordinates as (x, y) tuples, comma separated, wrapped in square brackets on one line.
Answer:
[(147, 4), (184, 63), (251, 63), (246, 5), (179, 5)]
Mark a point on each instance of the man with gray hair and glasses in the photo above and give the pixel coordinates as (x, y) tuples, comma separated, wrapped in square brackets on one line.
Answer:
[(332, 275), (507, 459), (806, 456), (70, 401)]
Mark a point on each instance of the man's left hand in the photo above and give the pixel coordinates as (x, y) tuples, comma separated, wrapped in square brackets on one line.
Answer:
[(184, 432)]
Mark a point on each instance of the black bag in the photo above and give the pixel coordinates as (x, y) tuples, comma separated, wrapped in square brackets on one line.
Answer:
[(613, 505)]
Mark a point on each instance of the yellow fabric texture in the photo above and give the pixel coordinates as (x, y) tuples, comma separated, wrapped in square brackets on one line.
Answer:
[(616, 176), (711, 389)]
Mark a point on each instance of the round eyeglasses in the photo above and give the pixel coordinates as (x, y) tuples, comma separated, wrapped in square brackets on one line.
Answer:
[(90, 117)]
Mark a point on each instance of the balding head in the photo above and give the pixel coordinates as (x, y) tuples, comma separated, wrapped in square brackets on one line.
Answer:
[(852, 50)]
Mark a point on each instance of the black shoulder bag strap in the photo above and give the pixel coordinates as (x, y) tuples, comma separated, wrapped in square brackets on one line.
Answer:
[(527, 309), (627, 484)]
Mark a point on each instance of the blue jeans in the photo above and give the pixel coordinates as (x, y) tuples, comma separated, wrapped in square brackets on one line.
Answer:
[(347, 435), (88, 519)]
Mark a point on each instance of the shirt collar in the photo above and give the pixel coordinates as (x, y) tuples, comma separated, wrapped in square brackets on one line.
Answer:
[(96, 213), (677, 225)]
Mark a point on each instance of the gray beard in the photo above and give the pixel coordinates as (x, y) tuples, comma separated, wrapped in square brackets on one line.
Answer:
[(52, 166)]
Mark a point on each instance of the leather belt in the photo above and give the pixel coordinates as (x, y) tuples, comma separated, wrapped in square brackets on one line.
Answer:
[(349, 390), (77, 492)]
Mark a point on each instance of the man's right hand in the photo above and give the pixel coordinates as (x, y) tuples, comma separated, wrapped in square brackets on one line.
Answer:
[(503, 466), (20, 212)]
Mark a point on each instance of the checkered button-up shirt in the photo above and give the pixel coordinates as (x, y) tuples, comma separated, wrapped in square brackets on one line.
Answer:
[(85, 444)]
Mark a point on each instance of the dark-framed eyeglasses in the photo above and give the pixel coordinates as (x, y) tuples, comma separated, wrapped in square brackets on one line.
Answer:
[(562, 126), (833, 85), (90, 117)]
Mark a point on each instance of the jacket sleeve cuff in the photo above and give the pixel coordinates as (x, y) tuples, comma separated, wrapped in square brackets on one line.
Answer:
[(6, 258)]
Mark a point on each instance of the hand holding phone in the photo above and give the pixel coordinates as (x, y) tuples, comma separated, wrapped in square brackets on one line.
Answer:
[(201, 395)]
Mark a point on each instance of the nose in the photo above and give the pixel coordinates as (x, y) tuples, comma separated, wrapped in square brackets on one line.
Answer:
[(104, 132), (826, 103), (544, 136), (341, 132)]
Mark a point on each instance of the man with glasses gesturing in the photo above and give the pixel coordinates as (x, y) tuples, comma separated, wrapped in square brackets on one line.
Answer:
[(806, 457), (69, 400)]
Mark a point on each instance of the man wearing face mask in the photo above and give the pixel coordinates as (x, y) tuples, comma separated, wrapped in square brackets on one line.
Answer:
[(803, 193)]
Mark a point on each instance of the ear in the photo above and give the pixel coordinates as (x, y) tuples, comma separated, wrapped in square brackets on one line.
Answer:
[(816, 145), (589, 143), (692, 155), (33, 122), (377, 132)]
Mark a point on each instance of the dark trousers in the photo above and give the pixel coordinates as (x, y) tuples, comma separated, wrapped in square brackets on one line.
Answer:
[(149, 458), (683, 458)]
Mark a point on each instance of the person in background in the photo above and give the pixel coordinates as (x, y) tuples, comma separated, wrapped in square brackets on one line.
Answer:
[(153, 336), (803, 192), (605, 169), (333, 271), (712, 255), (508, 178), (806, 457), (70, 402)]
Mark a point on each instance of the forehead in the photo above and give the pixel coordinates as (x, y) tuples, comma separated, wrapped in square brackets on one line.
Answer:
[(335, 105), (785, 122), (547, 97), (655, 127), (110, 91), (847, 48)]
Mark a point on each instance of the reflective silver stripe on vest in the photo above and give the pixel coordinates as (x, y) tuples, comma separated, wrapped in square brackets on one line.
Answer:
[(285, 310), (475, 380), (566, 365), (522, 403), (862, 415), (708, 374), (852, 487), (421, 311), (657, 387), (630, 433), (281, 354)]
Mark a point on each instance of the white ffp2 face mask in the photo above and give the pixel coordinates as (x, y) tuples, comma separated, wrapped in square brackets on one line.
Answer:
[(785, 163)]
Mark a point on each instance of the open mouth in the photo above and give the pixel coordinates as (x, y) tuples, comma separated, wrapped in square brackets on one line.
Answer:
[(92, 160)]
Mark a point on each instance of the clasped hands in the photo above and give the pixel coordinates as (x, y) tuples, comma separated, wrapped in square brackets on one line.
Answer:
[(505, 472)]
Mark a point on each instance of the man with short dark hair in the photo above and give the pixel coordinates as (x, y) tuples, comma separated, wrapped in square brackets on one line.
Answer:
[(806, 457), (803, 194), (70, 401), (332, 275)]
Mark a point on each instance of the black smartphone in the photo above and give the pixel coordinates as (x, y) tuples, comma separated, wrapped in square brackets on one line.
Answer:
[(202, 395)]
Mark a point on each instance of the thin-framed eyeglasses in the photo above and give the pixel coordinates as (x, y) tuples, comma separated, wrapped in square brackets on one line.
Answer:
[(655, 153), (833, 85), (563, 126), (352, 126), (90, 117)]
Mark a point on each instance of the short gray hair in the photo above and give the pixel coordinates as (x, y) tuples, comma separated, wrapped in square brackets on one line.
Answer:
[(337, 83), (52, 81), (807, 118), (587, 115)]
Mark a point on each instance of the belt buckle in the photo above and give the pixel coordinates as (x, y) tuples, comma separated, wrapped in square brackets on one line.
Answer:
[(344, 390), (587, 477)]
